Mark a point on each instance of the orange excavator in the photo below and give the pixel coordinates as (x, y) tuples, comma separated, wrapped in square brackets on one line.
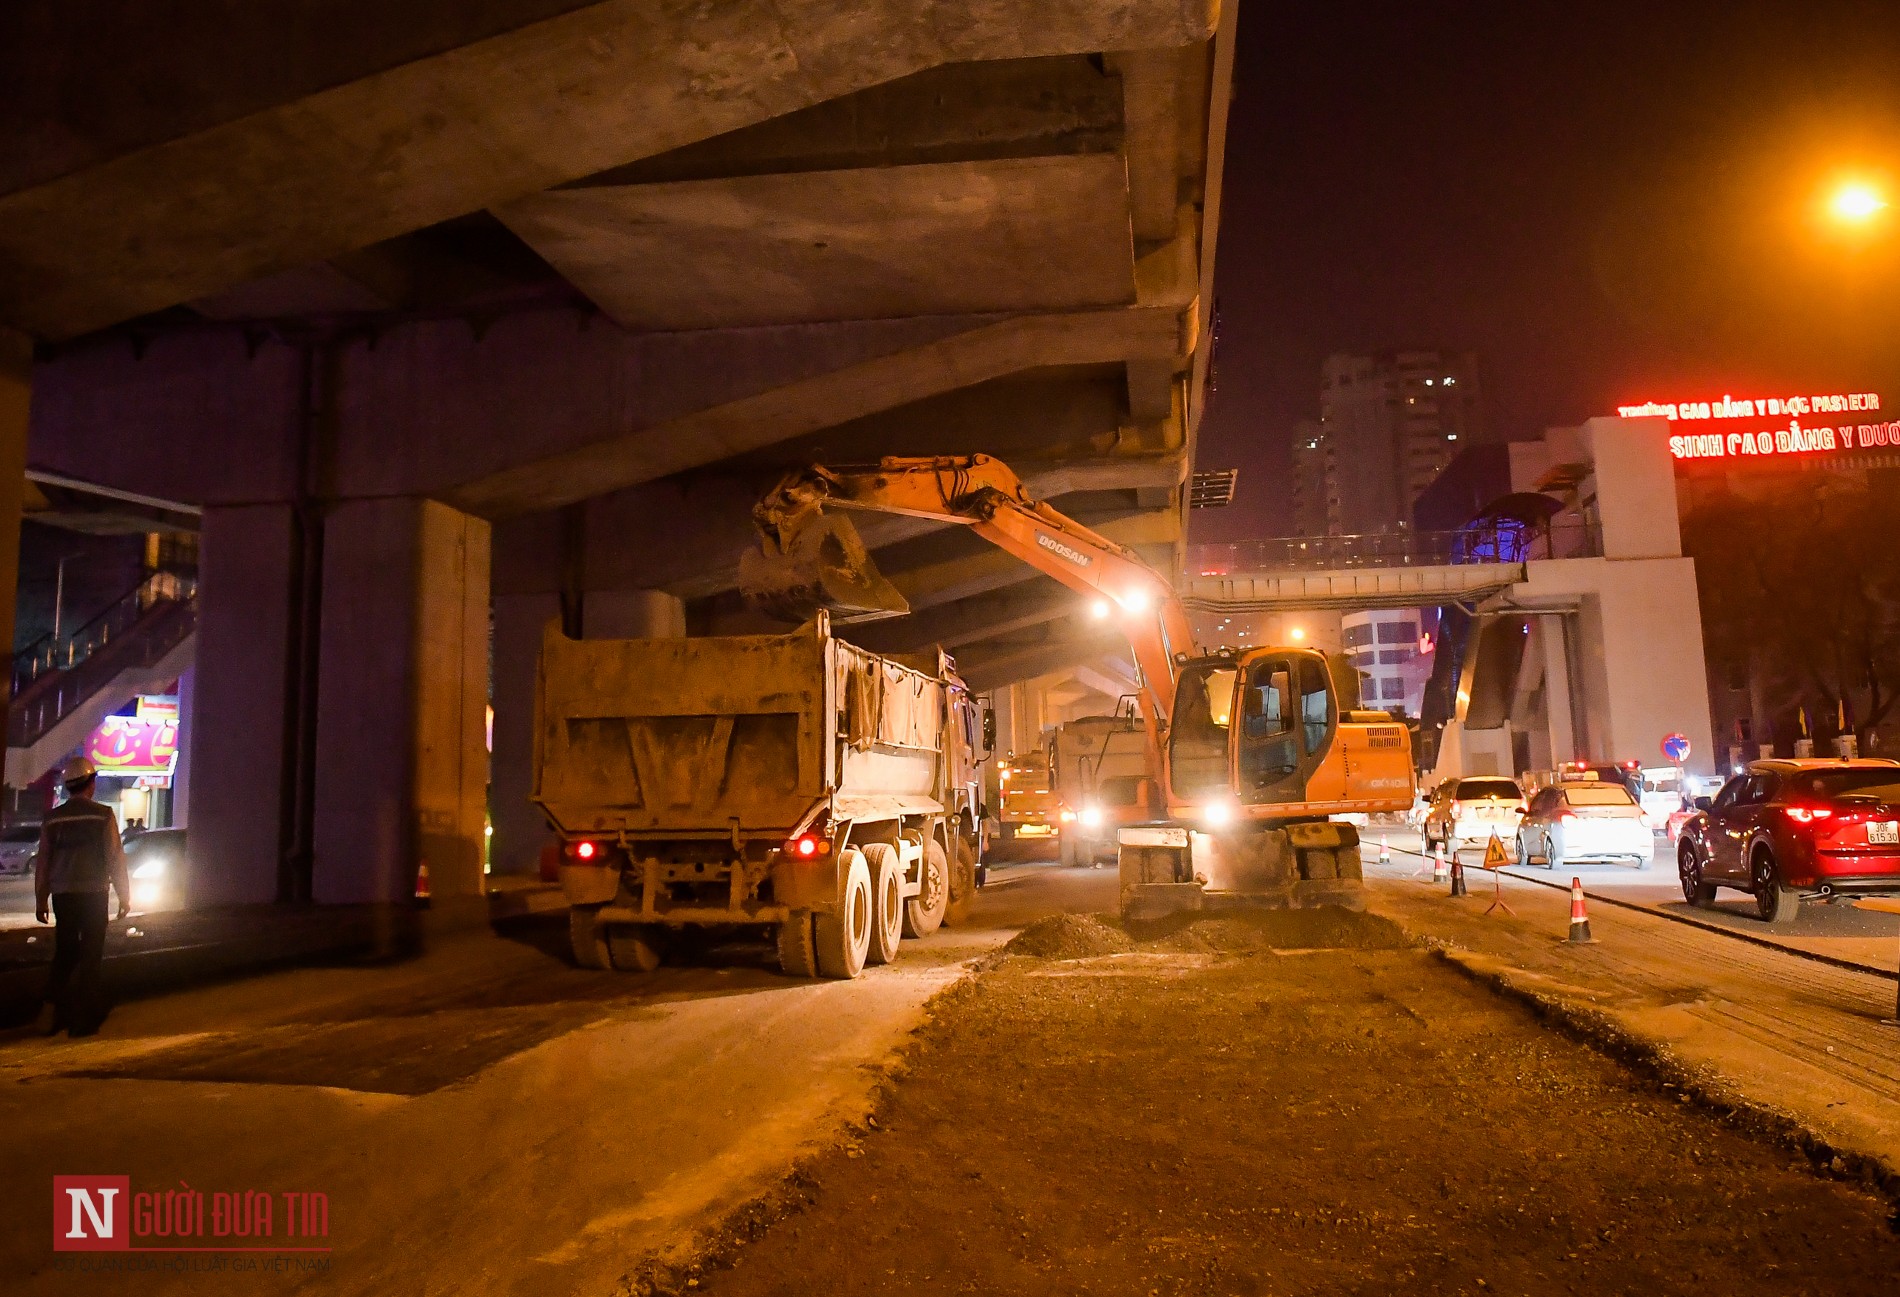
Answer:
[(1254, 751)]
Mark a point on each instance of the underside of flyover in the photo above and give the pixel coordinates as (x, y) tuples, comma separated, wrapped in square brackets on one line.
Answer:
[(454, 319)]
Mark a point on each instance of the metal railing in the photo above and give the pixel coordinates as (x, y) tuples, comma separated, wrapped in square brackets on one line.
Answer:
[(1499, 543), (52, 678)]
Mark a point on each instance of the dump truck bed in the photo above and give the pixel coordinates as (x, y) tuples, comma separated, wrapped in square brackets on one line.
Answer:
[(729, 735)]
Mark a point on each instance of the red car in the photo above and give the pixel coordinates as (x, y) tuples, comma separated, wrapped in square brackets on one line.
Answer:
[(1787, 830)]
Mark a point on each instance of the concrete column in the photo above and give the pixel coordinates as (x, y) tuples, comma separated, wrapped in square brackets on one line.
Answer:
[(236, 727), (16, 390), (181, 769), (520, 830), (401, 772)]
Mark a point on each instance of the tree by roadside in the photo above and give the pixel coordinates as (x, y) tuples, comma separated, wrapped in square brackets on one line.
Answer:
[(1800, 590)]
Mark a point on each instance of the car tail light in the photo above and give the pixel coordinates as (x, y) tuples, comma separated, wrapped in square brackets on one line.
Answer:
[(1807, 814), (808, 846), (1566, 815)]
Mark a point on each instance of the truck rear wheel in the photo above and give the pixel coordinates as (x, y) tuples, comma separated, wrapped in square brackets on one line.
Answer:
[(797, 948), (962, 886), (887, 902), (844, 934), (635, 947), (923, 913), (587, 937)]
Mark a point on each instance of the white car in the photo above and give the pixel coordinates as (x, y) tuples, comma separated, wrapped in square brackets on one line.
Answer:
[(1585, 820), (18, 842), (1466, 812)]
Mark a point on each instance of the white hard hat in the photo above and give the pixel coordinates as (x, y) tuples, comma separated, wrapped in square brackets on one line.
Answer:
[(77, 771)]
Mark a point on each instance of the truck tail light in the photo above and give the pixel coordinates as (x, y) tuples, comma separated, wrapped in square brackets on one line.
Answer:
[(586, 851), (807, 846)]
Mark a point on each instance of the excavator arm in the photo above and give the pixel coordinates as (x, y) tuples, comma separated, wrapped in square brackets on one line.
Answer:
[(805, 557)]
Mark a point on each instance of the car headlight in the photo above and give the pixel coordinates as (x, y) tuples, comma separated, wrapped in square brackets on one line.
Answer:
[(1068, 817), (1091, 817), (150, 869)]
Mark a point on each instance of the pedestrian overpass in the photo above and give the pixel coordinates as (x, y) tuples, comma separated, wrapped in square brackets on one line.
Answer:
[(1560, 650)]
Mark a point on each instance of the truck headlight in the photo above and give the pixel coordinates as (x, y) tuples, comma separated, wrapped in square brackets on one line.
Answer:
[(1216, 814), (150, 869), (1091, 817)]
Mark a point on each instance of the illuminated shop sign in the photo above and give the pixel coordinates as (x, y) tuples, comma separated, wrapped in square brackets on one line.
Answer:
[(1754, 407), (1782, 425)]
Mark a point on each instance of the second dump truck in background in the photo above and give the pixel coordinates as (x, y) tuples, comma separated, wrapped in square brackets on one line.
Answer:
[(795, 782), (1098, 768)]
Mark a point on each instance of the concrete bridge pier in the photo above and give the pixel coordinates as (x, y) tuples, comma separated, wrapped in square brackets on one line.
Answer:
[(333, 759)]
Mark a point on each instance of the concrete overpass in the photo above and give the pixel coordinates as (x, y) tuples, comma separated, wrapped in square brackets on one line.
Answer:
[(453, 318)]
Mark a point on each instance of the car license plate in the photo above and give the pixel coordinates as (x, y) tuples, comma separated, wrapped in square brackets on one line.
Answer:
[(1884, 833)]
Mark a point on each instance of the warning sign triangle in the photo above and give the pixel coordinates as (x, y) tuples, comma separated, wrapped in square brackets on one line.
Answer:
[(1494, 857)]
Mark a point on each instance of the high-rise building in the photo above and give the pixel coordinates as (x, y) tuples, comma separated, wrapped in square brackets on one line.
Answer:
[(1390, 422), (1312, 514)]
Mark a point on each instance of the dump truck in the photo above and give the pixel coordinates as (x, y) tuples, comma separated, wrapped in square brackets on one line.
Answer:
[(792, 783), (1098, 766)]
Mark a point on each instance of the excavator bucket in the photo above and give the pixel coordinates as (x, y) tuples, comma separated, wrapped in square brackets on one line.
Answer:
[(817, 560)]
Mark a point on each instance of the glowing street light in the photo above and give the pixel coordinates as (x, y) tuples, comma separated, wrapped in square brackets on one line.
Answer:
[(1856, 203)]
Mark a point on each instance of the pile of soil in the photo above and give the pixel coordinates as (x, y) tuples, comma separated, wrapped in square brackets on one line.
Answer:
[(1069, 936), (1348, 1121), (1323, 928)]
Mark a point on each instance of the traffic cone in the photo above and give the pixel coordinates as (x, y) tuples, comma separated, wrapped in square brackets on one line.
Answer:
[(1438, 864), (1579, 917), (1457, 876), (422, 886), (1385, 852)]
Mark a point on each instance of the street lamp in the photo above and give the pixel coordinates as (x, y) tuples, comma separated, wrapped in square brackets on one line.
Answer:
[(1855, 203)]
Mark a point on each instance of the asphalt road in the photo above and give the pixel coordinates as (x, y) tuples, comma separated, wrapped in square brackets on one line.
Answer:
[(1840, 931), (485, 1117)]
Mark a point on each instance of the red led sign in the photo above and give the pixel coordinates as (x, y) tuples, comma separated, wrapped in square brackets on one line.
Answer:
[(1787, 434)]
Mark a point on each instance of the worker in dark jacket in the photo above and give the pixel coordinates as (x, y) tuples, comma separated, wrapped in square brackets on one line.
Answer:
[(79, 858)]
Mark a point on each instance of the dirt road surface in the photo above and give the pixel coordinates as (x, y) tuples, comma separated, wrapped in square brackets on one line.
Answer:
[(1210, 1114), (487, 1118)]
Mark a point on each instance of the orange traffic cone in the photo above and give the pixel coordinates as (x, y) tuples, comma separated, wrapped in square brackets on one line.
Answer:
[(1385, 852), (1438, 864), (1457, 876), (1579, 917), (422, 886)]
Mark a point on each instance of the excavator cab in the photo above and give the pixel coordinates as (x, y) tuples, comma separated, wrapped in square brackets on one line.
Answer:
[(1250, 730)]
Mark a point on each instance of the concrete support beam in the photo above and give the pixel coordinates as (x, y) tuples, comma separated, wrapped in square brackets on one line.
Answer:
[(941, 238), (546, 408), (16, 398), (1036, 600), (241, 699), (1059, 646), (973, 356), (1150, 108), (930, 584), (547, 102), (520, 829), (401, 771)]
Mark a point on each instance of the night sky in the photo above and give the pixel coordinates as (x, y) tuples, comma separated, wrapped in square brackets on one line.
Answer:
[(1609, 202)]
